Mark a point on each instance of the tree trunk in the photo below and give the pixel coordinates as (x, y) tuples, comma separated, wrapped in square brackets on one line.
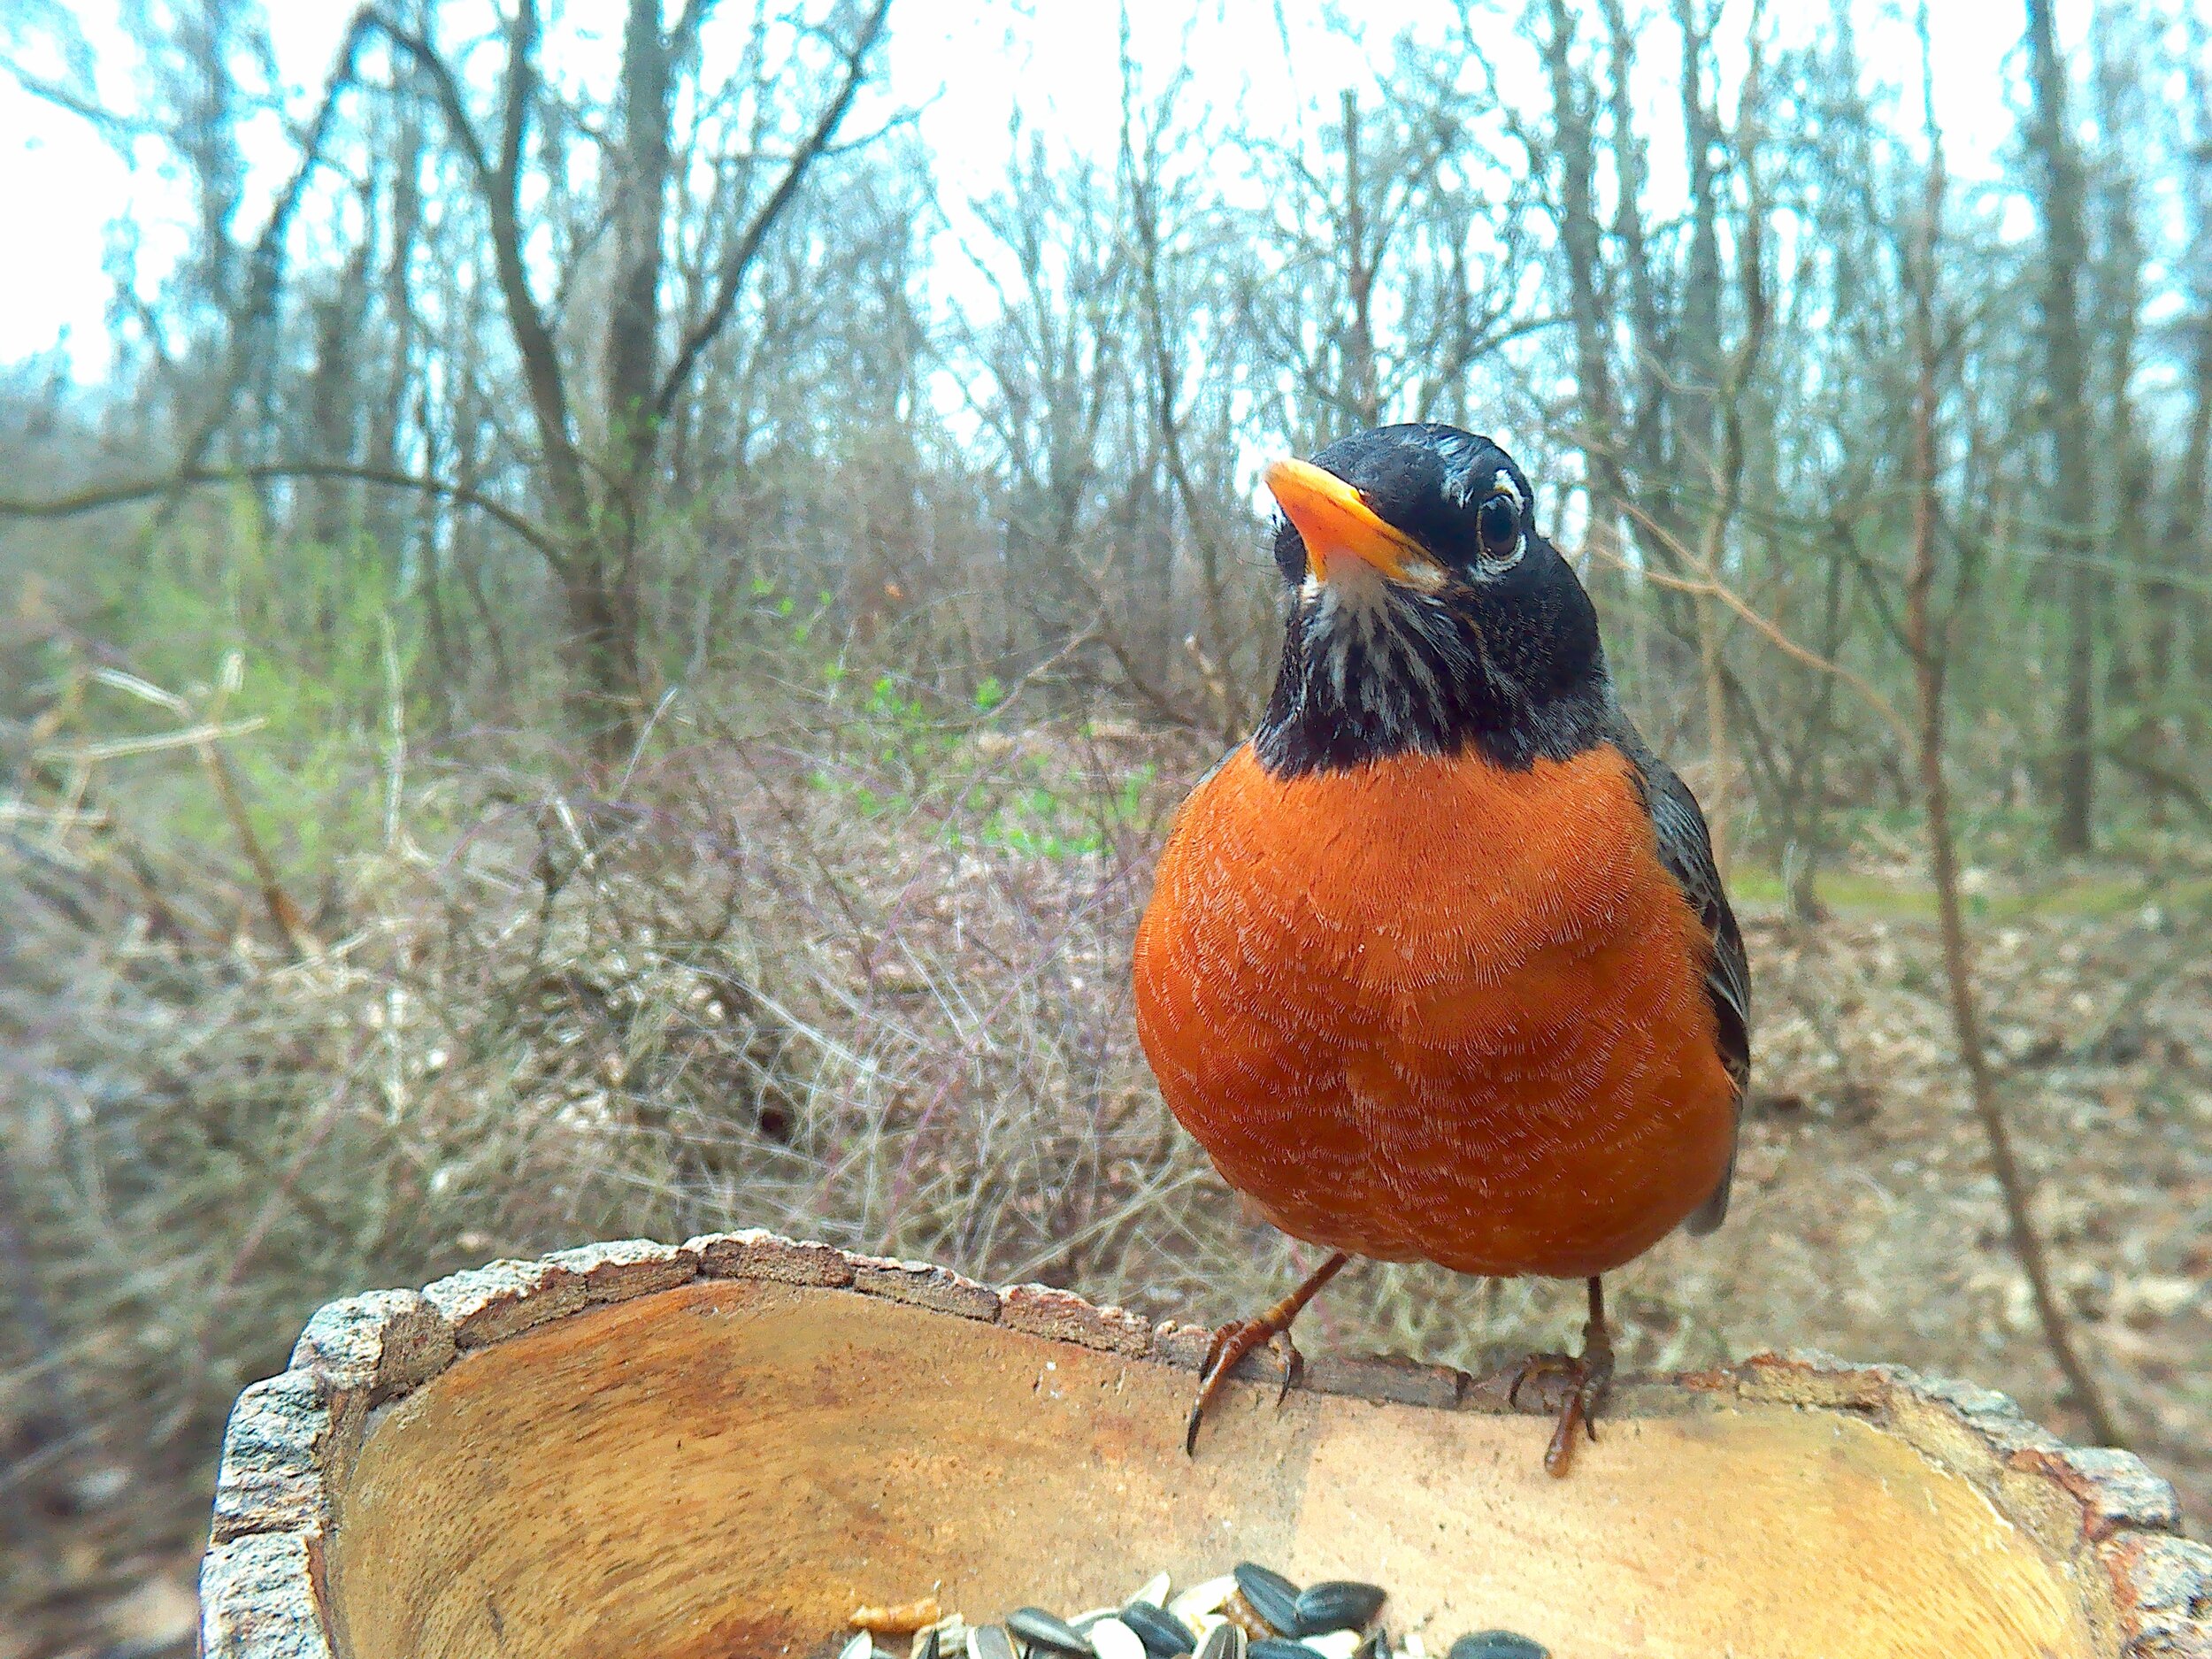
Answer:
[(1697, 360), (1363, 396), (2073, 502), (2181, 640), (605, 689), (1580, 239), (2189, 538), (1837, 1509)]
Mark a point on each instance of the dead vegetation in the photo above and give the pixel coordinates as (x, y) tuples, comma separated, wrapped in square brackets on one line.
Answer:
[(660, 394), (868, 982)]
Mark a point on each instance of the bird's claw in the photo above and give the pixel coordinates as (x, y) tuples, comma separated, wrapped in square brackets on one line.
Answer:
[(1230, 1343), (1533, 1368), (1588, 1378), (1592, 1379)]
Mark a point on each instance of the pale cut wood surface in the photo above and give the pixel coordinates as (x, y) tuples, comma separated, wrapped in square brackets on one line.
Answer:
[(727, 1467)]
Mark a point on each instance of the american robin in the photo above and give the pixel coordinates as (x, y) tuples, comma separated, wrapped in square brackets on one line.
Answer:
[(1437, 965)]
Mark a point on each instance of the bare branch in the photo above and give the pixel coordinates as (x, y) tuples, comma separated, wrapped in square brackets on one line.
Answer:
[(100, 496), (498, 188), (738, 264), (267, 261)]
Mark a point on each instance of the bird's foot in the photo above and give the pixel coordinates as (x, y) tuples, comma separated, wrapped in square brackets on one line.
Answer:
[(1230, 1343), (1588, 1378), (1534, 1369)]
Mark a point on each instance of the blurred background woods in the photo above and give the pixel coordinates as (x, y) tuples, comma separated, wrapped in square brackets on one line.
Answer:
[(603, 653)]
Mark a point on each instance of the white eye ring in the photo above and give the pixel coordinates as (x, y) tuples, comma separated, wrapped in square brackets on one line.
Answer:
[(1495, 564)]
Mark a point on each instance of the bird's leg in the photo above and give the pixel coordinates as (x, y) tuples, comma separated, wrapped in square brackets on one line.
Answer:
[(1232, 1342), (1589, 1376)]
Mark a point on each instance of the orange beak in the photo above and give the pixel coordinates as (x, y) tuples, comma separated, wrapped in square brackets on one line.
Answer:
[(1336, 523)]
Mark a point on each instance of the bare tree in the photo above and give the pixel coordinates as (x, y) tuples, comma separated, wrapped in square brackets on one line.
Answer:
[(597, 506), (2073, 502), (1928, 636)]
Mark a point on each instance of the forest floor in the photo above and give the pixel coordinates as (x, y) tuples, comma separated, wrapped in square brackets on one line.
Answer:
[(883, 999)]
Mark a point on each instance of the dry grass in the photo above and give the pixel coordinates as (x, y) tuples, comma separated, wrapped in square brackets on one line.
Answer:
[(868, 982)]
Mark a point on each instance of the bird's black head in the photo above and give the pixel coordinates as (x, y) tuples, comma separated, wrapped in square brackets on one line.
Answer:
[(1427, 613)]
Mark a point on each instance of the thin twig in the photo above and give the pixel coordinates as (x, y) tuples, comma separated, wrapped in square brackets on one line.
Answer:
[(1929, 664)]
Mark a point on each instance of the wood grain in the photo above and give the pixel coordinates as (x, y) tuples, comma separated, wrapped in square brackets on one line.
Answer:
[(727, 1467)]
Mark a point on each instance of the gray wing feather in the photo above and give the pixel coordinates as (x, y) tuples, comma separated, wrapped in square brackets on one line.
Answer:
[(1685, 847)]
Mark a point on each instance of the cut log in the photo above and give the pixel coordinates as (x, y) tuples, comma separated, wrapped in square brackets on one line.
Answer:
[(720, 1449)]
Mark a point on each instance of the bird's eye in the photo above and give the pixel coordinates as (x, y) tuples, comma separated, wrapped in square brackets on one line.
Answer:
[(1498, 527)]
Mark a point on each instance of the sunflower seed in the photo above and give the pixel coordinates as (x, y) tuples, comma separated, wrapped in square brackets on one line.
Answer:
[(1040, 1629), (1273, 1597), (1202, 1598), (1498, 1644), (901, 1618), (1252, 1612), (1339, 1604), (1163, 1634), (1112, 1639), (1247, 1617)]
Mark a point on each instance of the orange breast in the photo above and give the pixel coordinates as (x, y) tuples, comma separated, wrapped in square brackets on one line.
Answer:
[(1433, 1009)]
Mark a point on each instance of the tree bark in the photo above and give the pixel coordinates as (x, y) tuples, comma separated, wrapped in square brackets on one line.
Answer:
[(1580, 240), (1362, 394), (2073, 502), (1696, 367)]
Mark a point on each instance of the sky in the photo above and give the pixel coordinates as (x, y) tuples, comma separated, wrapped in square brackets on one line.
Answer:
[(966, 68)]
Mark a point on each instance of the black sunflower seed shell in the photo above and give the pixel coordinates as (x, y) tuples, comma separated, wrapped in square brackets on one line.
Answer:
[(1338, 1604), (1498, 1644), (1280, 1647), (1226, 1642), (1273, 1597), (991, 1642), (1163, 1634), (1040, 1629)]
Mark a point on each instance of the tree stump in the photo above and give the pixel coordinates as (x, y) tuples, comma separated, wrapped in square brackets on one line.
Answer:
[(718, 1450)]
